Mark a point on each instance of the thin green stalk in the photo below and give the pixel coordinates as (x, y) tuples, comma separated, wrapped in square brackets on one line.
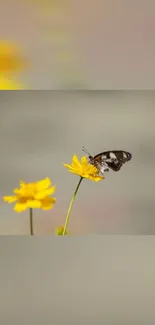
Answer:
[(31, 221), (70, 207)]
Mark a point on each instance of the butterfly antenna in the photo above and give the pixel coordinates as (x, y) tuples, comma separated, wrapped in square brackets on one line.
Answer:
[(85, 150)]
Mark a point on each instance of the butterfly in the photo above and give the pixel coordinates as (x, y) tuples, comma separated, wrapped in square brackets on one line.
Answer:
[(113, 159)]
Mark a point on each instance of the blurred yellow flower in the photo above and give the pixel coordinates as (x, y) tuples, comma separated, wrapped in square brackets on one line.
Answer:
[(33, 195), (8, 84), (11, 58), (84, 169)]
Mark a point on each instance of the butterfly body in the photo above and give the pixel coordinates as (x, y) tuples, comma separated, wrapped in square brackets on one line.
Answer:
[(113, 159)]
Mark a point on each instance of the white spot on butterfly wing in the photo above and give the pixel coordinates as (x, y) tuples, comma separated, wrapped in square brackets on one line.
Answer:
[(124, 155), (112, 155), (104, 168)]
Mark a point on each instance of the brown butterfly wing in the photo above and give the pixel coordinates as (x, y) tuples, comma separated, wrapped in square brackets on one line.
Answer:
[(115, 166), (115, 163)]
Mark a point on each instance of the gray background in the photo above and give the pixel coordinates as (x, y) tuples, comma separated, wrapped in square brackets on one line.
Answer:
[(67, 280), (41, 130)]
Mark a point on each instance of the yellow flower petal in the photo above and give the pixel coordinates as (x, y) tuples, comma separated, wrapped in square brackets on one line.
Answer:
[(27, 191), (75, 162), (47, 203), (43, 184), (84, 161), (10, 199), (41, 195), (68, 166), (16, 190), (96, 178), (11, 57), (8, 84), (20, 207), (72, 170), (35, 204), (22, 183)]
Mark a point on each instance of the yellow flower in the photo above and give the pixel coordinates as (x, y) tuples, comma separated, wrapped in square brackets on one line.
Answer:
[(11, 59), (33, 195), (8, 84), (84, 169)]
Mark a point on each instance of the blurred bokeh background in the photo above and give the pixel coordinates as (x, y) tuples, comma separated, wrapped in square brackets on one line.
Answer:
[(80, 44), (41, 130)]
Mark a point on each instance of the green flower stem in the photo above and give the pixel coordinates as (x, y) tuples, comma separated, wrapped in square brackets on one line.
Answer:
[(31, 221), (70, 207)]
